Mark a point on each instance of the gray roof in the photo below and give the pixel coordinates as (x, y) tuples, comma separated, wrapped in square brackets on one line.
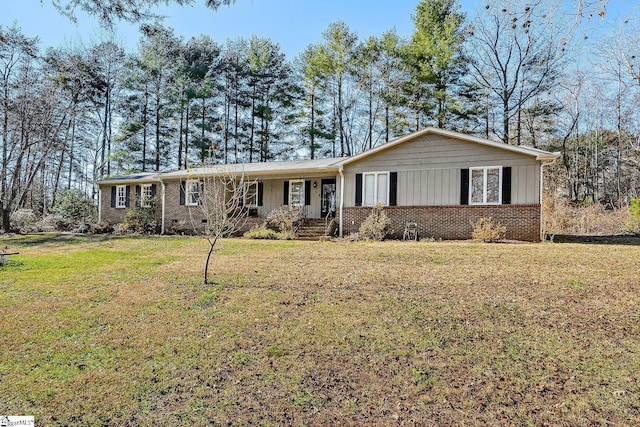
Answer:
[(306, 167), (264, 168), (142, 177)]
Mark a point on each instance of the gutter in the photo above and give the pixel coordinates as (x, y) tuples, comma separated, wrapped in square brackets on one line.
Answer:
[(548, 157), (341, 223)]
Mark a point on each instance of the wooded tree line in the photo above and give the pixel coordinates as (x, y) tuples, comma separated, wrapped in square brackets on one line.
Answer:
[(515, 71)]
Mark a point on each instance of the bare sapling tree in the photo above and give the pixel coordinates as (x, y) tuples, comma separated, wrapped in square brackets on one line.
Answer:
[(215, 197)]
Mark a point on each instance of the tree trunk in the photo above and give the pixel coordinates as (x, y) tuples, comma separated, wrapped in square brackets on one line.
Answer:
[(340, 124), (4, 198), (71, 147), (253, 124), (145, 119), (505, 118), (386, 123), (212, 244), (180, 135), (157, 166), (202, 134), (312, 129), (186, 135)]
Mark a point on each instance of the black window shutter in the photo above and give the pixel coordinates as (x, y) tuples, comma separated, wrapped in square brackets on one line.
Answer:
[(506, 185), (285, 200), (200, 192), (464, 187), (393, 189), (153, 190), (113, 196), (128, 196), (138, 195), (182, 190), (307, 193), (260, 192), (358, 189)]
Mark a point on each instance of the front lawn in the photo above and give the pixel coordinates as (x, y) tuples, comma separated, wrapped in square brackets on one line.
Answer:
[(120, 331)]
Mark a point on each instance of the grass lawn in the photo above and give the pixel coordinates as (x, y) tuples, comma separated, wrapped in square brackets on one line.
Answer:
[(120, 331)]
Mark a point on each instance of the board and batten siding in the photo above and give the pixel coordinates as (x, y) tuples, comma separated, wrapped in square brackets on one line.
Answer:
[(273, 195), (429, 170)]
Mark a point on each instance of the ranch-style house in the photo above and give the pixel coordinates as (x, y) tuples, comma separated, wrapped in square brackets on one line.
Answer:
[(438, 179)]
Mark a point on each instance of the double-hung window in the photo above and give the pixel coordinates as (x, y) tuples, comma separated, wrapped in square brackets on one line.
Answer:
[(192, 192), (250, 194), (296, 193), (121, 196), (485, 186), (375, 188), (146, 195)]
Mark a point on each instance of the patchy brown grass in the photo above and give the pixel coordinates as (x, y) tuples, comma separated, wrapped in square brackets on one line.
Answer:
[(121, 332)]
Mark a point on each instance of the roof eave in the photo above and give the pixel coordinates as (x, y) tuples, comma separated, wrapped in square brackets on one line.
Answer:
[(540, 155), (549, 157), (282, 172)]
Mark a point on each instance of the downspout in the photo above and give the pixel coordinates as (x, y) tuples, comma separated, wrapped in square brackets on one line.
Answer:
[(341, 225), (541, 212), (164, 186), (99, 204)]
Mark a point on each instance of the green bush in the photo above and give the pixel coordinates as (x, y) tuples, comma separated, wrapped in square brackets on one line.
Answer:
[(76, 208), (632, 224), (487, 231), (376, 226), (141, 220), (266, 234)]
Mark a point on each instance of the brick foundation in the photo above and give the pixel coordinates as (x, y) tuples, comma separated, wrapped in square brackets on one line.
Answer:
[(452, 222)]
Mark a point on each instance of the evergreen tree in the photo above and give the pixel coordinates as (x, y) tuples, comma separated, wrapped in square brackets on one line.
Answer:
[(434, 60)]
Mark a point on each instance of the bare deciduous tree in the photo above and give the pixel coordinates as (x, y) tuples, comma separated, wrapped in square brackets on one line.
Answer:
[(516, 55), (219, 204)]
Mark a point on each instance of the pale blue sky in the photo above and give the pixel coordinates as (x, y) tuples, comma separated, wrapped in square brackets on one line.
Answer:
[(292, 23)]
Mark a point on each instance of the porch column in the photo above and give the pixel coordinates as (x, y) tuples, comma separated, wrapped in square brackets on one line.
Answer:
[(340, 222)]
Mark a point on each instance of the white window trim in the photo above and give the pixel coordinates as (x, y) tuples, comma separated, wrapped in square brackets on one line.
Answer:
[(145, 199), (484, 170), (188, 192), (302, 199), (248, 185), (122, 205), (375, 187)]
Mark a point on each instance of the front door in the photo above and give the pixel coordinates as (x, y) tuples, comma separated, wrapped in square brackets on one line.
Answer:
[(328, 200)]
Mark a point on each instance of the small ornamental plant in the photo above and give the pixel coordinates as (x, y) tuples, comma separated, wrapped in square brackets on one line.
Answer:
[(487, 231), (377, 225)]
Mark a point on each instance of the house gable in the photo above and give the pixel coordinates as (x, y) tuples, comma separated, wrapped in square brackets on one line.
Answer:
[(430, 166)]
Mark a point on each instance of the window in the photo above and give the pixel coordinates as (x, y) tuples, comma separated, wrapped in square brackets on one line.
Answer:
[(192, 191), (296, 193), (146, 195), (121, 196), (485, 185), (250, 194), (375, 189)]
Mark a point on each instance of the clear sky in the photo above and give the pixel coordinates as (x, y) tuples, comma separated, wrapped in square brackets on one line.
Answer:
[(292, 23)]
